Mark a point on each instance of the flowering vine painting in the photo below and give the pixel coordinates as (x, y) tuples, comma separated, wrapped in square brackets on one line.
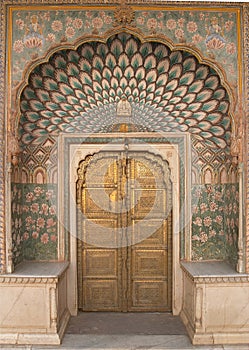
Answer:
[(215, 222), (34, 222)]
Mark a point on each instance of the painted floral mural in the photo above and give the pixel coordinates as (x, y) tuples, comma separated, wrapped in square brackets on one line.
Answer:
[(213, 32), (34, 222), (35, 32), (215, 222)]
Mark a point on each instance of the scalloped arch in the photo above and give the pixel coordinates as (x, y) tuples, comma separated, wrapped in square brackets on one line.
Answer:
[(75, 88)]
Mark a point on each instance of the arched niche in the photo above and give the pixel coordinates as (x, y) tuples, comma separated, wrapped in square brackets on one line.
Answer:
[(39, 176), (24, 176), (233, 174), (76, 88), (208, 175), (224, 176)]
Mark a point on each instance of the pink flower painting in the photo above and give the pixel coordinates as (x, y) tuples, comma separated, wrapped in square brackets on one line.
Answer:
[(45, 238)]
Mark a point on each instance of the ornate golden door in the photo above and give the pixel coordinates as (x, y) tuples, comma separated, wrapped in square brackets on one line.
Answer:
[(124, 227)]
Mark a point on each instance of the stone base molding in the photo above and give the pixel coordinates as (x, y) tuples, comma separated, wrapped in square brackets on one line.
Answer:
[(215, 303), (33, 304)]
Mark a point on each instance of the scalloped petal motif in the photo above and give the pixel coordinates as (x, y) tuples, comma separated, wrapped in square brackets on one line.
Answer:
[(78, 91)]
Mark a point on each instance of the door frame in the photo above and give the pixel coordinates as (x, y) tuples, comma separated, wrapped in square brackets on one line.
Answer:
[(71, 151)]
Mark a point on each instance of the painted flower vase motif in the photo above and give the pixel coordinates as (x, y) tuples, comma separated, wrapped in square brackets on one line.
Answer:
[(34, 37), (215, 39)]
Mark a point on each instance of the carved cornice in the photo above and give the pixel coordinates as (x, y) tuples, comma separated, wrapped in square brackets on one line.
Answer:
[(221, 279), (31, 273), (152, 3), (28, 280)]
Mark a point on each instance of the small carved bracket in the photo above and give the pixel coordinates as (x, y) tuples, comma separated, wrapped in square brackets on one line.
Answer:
[(13, 148), (123, 14)]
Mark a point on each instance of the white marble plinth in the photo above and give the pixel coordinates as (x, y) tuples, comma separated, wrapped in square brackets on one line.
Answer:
[(215, 303), (33, 304)]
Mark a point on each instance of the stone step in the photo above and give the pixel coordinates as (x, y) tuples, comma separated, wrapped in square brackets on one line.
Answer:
[(126, 342)]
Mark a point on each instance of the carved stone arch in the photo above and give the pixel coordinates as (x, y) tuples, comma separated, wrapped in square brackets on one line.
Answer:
[(160, 38)]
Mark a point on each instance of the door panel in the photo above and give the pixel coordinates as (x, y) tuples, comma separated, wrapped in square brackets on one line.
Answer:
[(159, 237), (149, 295), (100, 263), (100, 295), (125, 234), (149, 263)]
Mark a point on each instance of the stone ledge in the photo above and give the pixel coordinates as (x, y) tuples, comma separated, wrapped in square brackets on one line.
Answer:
[(32, 272), (213, 272)]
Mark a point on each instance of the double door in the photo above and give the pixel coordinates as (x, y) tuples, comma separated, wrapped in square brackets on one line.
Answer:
[(124, 232)]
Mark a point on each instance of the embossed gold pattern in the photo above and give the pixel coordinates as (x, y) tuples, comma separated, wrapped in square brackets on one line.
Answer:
[(124, 269)]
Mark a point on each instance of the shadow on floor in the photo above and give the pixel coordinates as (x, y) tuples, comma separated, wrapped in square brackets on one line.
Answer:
[(125, 323)]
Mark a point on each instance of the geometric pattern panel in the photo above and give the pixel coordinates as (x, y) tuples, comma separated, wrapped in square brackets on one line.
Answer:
[(167, 90), (39, 156), (216, 158)]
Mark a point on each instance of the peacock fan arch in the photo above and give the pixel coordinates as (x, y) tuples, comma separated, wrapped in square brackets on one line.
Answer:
[(169, 90)]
